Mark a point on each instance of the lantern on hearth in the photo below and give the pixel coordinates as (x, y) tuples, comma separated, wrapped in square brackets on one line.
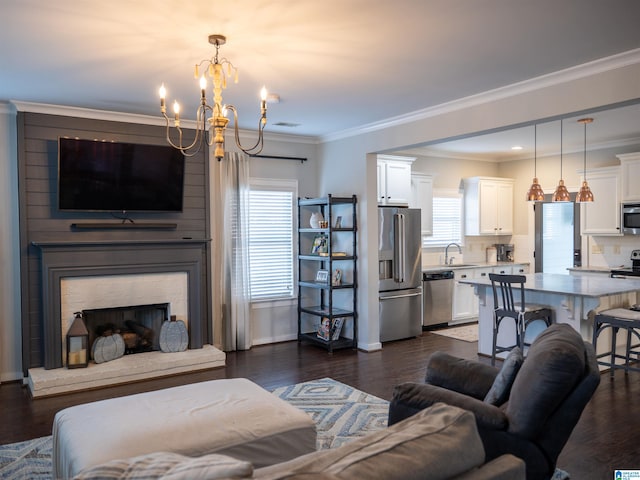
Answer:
[(77, 343)]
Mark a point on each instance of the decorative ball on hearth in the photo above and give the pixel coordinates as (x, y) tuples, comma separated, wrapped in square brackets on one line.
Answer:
[(107, 347), (174, 336)]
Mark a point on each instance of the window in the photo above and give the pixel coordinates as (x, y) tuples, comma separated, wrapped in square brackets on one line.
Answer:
[(447, 219), (271, 238)]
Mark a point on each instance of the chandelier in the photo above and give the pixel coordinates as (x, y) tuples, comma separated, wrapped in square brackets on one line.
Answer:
[(215, 115)]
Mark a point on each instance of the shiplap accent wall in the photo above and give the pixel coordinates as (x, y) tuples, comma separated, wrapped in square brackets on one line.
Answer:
[(40, 220)]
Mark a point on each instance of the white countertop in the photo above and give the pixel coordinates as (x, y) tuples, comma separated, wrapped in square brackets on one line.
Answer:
[(606, 270), (584, 286), (434, 268)]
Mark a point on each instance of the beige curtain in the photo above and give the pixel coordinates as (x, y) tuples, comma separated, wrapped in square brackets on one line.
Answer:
[(230, 224)]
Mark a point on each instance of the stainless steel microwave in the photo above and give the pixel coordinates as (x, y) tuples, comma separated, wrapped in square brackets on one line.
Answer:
[(630, 218)]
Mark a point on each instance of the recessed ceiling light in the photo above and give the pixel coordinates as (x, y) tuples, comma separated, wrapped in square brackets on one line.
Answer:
[(517, 147)]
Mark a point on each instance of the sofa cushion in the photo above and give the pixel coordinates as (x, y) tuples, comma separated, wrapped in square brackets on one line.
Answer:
[(555, 364), (169, 466), (420, 447), (499, 391)]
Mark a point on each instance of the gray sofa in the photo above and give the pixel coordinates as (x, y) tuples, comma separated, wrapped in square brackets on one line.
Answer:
[(440, 442)]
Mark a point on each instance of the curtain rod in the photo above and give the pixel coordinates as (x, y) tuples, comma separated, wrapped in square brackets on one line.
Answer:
[(280, 157)]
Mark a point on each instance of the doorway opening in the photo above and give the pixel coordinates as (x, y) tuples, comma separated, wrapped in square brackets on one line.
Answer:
[(557, 235)]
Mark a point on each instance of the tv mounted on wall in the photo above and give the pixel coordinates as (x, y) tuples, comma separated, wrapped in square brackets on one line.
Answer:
[(119, 177)]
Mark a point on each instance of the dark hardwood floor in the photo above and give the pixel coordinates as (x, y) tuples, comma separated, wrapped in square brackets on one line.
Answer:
[(606, 438)]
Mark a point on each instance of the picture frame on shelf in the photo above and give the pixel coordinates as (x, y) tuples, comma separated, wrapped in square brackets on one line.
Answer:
[(336, 279), (319, 245), (338, 222), (322, 276)]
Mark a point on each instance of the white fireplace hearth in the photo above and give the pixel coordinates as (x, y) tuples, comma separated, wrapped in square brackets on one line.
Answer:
[(130, 368)]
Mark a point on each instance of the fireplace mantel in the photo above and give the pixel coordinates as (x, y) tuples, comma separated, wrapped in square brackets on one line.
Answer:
[(100, 258)]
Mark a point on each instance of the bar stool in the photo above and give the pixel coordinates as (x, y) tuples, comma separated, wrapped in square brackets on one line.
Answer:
[(616, 319), (522, 314)]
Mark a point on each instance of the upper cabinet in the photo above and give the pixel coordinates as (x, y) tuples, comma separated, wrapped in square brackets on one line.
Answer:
[(630, 165), (602, 217), (422, 198), (488, 204), (394, 180)]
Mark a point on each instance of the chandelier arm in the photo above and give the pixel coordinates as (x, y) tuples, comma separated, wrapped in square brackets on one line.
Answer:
[(257, 148), (196, 145)]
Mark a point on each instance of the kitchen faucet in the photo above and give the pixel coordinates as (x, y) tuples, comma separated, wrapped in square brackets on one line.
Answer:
[(446, 252)]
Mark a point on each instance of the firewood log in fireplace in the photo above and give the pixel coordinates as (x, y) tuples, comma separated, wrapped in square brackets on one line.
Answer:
[(144, 335)]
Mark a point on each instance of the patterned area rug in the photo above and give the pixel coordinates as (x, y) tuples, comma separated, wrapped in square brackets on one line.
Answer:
[(468, 333), (341, 413)]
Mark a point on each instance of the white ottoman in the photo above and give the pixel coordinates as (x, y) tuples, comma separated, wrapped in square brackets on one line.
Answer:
[(235, 417)]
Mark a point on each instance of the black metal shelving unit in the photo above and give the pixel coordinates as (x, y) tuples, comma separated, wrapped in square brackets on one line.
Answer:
[(316, 299)]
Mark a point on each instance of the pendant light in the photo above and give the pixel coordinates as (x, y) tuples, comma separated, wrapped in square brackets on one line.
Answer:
[(535, 193), (561, 194), (585, 194)]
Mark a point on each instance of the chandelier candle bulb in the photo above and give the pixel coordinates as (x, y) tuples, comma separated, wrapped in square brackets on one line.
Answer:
[(176, 112), (203, 87), (163, 94)]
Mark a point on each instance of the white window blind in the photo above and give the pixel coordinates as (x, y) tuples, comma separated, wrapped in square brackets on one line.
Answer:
[(447, 220), (271, 241)]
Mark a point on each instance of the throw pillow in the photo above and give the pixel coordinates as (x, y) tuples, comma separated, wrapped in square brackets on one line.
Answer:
[(499, 391), (169, 466)]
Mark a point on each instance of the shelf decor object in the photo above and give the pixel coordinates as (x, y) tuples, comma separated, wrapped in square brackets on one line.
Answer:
[(214, 115)]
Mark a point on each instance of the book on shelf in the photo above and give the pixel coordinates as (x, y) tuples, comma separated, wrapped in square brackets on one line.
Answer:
[(337, 327), (324, 329), (330, 330), (333, 254)]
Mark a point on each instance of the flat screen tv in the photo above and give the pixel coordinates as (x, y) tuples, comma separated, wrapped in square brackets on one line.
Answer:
[(119, 177)]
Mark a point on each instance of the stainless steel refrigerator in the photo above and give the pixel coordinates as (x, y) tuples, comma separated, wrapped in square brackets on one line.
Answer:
[(399, 273)]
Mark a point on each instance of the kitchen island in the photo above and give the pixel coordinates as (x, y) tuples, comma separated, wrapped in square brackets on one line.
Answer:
[(574, 300)]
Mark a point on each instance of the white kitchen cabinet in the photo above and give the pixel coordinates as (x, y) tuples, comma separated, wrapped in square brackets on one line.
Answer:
[(422, 198), (394, 180), (488, 206), (602, 217), (465, 302), (630, 170)]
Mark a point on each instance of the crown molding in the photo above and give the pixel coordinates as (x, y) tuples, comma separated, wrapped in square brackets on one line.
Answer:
[(601, 65), (94, 114)]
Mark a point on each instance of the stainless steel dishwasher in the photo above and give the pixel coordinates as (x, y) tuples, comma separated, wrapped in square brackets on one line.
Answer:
[(437, 297)]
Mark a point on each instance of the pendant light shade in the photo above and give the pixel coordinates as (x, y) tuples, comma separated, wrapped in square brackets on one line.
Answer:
[(535, 193), (585, 194), (561, 194)]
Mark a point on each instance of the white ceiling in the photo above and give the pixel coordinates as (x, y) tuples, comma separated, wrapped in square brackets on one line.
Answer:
[(336, 64)]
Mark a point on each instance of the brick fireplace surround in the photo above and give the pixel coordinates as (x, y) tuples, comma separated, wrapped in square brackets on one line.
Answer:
[(129, 261)]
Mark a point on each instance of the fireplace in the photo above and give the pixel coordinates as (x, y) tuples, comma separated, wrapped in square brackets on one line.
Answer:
[(139, 325), (66, 263)]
